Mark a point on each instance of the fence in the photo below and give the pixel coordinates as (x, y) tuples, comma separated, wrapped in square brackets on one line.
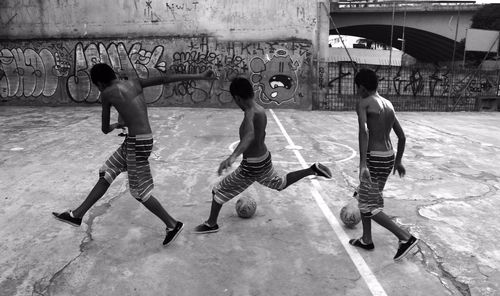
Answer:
[(410, 88)]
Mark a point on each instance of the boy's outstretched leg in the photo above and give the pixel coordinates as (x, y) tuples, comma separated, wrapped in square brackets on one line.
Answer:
[(75, 217), (317, 169), (174, 227), (210, 225), (321, 170)]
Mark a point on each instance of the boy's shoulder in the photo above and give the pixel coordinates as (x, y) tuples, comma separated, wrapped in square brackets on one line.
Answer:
[(110, 92), (387, 104), (256, 113), (123, 86), (261, 111), (365, 102), (376, 100)]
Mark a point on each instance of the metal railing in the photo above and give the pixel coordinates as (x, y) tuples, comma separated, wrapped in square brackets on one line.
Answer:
[(410, 88), (400, 3)]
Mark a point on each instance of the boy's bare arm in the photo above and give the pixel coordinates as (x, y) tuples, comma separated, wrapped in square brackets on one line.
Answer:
[(167, 78), (401, 139), (398, 166), (362, 133), (121, 122), (106, 109), (364, 173)]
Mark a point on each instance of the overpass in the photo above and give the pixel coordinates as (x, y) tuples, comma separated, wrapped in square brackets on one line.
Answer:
[(426, 30)]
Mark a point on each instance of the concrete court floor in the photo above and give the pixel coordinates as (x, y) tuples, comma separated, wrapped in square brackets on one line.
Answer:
[(49, 159)]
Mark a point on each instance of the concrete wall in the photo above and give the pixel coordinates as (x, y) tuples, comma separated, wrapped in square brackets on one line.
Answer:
[(225, 19), (48, 47)]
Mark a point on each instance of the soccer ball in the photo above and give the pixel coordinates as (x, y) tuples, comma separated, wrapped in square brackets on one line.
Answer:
[(350, 215), (246, 207)]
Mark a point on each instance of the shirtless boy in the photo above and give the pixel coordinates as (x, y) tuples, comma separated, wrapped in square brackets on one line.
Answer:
[(256, 165), (132, 156), (376, 119)]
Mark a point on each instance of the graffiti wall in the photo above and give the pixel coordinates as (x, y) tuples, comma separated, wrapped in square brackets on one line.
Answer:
[(58, 72), (410, 88)]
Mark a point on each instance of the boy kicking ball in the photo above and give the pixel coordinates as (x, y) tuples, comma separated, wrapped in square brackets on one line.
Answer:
[(256, 165)]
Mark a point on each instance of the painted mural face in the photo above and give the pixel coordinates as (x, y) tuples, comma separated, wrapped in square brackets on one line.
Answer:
[(276, 79)]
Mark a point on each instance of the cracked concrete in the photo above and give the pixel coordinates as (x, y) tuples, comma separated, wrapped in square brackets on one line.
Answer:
[(50, 158)]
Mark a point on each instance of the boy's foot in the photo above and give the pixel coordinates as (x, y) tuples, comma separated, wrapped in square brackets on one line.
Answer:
[(405, 247), (321, 170), (205, 228), (358, 242), (68, 218), (173, 233)]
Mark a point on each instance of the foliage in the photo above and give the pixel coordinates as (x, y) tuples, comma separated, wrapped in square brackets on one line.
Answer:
[(487, 18)]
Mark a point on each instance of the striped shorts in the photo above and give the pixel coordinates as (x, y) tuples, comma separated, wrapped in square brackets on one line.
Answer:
[(370, 197), (254, 169), (132, 157)]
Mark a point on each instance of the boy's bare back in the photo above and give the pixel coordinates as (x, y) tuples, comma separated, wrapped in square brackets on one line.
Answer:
[(128, 98), (380, 117), (259, 118)]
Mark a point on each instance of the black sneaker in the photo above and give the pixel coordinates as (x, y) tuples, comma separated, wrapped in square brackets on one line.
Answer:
[(205, 228), (358, 242), (68, 218), (404, 248), (173, 233), (321, 170)]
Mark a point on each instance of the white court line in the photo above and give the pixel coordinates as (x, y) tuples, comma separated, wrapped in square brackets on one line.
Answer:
[(353, 152), (233, 145), (359, 262)]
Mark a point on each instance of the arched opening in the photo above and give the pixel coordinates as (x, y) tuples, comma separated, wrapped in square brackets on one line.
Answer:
[(424, 46)]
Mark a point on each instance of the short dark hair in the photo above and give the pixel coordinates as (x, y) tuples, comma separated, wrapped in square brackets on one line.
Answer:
[(102, 73), (367, 78), (241, 87)]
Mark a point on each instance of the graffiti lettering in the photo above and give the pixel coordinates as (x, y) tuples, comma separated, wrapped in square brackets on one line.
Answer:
[(135, 63), (179, 11), (338, 78), (416, 82), (174, 6), (150, 14), (29, 73), (419, 81), (434, 80), (397, 81), (321, 77), (60, 72)]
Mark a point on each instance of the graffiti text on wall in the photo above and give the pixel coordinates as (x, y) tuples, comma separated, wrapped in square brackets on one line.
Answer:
[(61, 72), (407, 81), (31, 73), (136, 62)]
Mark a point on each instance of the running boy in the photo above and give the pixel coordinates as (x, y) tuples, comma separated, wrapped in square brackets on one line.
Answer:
[(256, 165), (132, 156), (376, 119)]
